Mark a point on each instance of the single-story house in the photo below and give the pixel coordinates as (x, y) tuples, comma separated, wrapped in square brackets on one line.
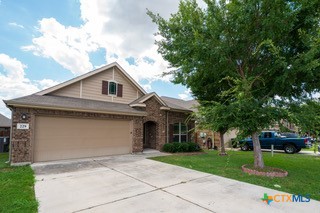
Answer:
[(103, 112), (5, 126)]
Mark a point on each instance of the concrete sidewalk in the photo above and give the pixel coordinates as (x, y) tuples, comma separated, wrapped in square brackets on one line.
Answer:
[(132, 183)]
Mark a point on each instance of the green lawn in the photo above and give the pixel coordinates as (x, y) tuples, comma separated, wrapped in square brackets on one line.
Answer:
[(303, 177), (16, 188), (312, 148)]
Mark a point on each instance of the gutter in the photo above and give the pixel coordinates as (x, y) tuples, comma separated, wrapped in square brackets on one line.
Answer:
[(76, 109), (137, 105), (180, 110), (167, 126)]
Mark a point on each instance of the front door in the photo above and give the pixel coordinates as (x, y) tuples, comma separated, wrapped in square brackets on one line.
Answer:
[(149, 135)]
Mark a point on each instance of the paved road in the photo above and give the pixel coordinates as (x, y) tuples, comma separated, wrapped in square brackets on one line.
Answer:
[(302, 152), (132, 183)]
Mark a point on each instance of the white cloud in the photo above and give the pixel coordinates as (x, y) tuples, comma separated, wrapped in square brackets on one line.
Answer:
[(121, 28), (125, 30), (147, 87), (316, 95), (46, 83), (14, 24), (68, 46), (186, 95), (13, 82)]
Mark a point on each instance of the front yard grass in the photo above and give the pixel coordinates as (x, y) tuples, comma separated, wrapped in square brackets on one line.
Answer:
[(16, 188), (303, 177), (314, 147)]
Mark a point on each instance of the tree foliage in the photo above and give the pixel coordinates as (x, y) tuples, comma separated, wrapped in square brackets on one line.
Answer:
[(247, 55), (307, 116)]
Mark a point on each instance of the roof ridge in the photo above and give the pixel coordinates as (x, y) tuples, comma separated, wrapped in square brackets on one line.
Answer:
[(89, 74)]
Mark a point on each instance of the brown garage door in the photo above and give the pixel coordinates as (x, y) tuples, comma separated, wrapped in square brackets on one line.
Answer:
[(67, 138)]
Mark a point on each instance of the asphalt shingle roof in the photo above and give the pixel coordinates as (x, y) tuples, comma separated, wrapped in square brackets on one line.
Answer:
[(180, 104), (4, 121), (74, 103), (146, 96)]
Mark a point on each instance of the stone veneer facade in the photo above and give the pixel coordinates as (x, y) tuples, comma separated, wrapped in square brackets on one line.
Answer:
[(22, 140)]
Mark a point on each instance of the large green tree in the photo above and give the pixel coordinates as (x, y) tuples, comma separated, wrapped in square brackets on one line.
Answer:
[(247, 54)]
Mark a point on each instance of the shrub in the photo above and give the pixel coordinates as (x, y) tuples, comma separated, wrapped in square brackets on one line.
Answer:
[(193, 147), (168, 147), (180, 147)]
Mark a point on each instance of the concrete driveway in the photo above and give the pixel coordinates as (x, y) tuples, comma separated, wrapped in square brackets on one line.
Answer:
[(132, 183)]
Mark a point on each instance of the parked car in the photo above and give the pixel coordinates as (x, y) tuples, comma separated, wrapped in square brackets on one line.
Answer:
[(280, 142), (294, 135), (290, 134)]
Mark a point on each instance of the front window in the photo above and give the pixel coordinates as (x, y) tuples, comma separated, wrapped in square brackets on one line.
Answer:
[(112, 88), (180, 132)]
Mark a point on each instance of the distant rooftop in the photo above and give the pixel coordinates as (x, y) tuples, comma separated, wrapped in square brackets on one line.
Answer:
[(4, 121)]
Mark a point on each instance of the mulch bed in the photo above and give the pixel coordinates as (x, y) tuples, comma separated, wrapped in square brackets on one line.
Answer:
[(266, 171)]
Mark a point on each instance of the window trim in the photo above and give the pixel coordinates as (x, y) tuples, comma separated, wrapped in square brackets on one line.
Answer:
[(180, 132), (109, 86)]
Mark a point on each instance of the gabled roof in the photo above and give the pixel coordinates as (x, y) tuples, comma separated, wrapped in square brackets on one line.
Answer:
[(140, 101), (180, 104), (73, 104), (168, 103), (4, 121), (89, 74)]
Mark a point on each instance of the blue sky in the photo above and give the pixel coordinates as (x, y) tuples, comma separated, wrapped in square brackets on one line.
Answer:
[(46, 42)]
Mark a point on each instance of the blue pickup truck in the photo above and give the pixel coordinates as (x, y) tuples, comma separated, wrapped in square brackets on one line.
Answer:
[(267, 138)]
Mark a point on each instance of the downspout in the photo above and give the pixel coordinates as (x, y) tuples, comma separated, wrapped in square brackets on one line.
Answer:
[(167, 127), (81, 89), (10, 146)]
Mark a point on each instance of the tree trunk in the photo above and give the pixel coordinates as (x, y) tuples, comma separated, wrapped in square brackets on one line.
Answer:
[(258, 160), (223, 150)]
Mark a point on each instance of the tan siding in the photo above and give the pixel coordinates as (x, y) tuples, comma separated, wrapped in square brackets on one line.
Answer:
[(72, 90), (129, 91), (91, 87)]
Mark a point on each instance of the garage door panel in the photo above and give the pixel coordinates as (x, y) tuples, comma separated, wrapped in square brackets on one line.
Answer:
[(67, 138)]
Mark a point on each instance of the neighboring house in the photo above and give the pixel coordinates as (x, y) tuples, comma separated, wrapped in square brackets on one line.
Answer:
[(5, 126), (103, 112), (286, 126), (201, 137)]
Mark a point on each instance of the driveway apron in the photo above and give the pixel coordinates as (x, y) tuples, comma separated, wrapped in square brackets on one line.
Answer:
[(132, 183)]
